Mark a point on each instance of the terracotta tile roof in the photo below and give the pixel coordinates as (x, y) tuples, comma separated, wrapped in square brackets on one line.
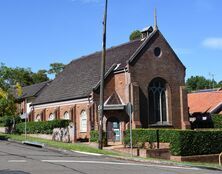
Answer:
[(205, 101)]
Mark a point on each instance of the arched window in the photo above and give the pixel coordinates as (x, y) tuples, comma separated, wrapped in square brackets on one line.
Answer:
[(83, 121), (38, 118), (66, 116), (157, 101), (51, 117)]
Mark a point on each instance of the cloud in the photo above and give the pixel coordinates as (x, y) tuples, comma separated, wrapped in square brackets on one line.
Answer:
[(213, 43), (87, 1)]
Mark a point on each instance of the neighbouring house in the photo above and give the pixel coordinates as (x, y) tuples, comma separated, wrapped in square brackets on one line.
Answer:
[(203, 101), (202, 105), (145, 72), (29, 94)]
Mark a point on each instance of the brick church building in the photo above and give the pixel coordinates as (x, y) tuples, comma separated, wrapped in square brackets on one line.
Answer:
[(145, 72)]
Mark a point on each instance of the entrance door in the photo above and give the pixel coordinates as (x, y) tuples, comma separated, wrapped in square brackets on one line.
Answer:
[(113, 130)]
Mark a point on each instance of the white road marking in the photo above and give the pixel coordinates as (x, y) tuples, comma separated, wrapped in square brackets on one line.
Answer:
[(17, 161), (87, 153), (118, 163)]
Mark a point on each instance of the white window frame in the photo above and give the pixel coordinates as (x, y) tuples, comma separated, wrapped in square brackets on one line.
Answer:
[(51, 117), (66, 116), (83, 122), (38, 118)]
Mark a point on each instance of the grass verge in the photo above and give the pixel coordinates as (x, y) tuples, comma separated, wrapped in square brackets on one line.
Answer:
[(60, 145), (87, 148)]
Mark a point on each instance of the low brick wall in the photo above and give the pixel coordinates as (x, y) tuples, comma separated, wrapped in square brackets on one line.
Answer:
[(212, 158), (44, 136), (165, 154), (153, 153)]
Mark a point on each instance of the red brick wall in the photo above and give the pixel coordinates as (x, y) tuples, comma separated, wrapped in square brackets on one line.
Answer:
[(167, 66), (74, 111)]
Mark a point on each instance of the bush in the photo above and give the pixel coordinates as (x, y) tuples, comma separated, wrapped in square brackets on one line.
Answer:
[(94, 137), (217, 121), (182, 142), (7, 121), (196, 142), (141, 136), (44, 127)]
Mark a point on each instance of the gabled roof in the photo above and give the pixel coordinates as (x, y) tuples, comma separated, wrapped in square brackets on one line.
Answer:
[(33, 90), (79, 77), (205, 102), (82, 76), (114, 99)]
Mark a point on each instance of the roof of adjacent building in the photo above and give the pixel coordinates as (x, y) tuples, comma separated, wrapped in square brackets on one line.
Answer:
[(205, 101), (32, 90), (79, 77)]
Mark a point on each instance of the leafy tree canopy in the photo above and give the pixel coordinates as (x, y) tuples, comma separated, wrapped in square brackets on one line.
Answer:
[(135, 35), (56, 68), (199, 82), (24, 76)]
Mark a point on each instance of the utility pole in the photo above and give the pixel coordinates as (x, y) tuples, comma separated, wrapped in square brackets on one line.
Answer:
[(101, 106)]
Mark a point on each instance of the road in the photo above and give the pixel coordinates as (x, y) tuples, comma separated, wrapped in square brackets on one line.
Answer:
[(17, 158)]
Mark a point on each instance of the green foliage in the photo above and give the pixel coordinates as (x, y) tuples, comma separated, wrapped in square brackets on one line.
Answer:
[(135, 35), (141, 136), (56, 68), (7, 104), (217, 121), (94, 137), (199, 82), (8, 121), (187, 143), (40, 76), (44, 127), (24, 76), (182, 142)]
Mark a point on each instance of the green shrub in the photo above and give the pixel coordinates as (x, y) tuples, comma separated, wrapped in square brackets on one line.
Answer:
[(44, 127), (182, 142), (141, 136), (217, 121), (7, 121), (94, 137), (196, 142)]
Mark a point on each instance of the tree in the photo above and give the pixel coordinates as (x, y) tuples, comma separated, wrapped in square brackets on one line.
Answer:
[(135, 35), (200, 82), (7, 104), (40, 76), (56, 68), (24, 76)]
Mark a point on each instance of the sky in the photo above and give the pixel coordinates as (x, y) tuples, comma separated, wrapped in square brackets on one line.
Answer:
[(35, 33)]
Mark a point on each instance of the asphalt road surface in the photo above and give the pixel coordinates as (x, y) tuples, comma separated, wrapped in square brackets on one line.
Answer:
[(17, 158)]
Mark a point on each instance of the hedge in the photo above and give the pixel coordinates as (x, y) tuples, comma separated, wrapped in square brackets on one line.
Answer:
[(44, 127), (182, 142), (94, 137), (217, 121)]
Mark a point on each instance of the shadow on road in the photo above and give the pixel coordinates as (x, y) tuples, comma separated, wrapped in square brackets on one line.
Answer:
[(13, 172)]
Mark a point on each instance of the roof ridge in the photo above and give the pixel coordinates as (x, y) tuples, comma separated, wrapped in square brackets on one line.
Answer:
[(36, 84), (108, 49)]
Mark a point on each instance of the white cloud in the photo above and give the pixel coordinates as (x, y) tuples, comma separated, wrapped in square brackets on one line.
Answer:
[(213, 42)]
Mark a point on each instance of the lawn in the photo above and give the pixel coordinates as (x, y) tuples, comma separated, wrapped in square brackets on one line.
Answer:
[(59, 145)]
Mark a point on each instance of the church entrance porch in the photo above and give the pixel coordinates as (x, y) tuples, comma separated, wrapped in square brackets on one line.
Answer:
[(114, 125), (113, 130)]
